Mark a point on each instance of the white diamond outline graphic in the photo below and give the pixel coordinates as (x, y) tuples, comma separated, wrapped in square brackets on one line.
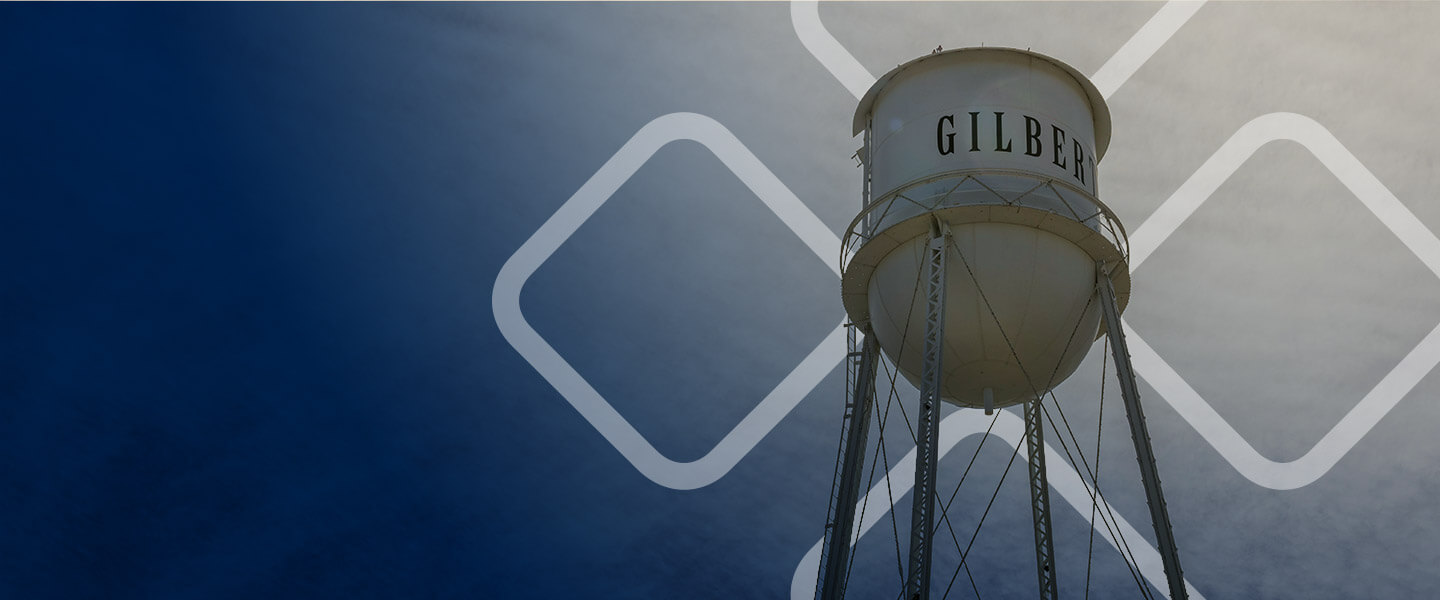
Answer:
[(505, 301), (805, 18), (1381, 399)]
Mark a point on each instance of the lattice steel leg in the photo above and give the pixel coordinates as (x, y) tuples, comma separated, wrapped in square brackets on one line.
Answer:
[(927, 436), (835, 558), (1040, 500), (1149, 475)]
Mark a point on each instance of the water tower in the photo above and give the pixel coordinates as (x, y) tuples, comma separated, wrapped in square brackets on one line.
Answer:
[(983, 265)]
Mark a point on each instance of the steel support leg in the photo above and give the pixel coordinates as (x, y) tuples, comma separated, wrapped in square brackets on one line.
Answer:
[(1159, 514), (927, 435), (835, 559), (1040, 500)]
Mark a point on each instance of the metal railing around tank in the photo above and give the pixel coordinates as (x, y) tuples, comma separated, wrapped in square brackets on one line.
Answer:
[(898, 205)]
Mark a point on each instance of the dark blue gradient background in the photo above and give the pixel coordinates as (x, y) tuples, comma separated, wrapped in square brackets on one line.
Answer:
[(246, 316)]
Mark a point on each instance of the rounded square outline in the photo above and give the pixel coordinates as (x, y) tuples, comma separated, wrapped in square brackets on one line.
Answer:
[(1381, 399), (505, 301)]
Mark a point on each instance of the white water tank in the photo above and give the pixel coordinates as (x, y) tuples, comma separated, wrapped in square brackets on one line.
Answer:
[(999, 147)]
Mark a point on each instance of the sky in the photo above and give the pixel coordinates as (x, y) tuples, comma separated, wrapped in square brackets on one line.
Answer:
[(254, 323)]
